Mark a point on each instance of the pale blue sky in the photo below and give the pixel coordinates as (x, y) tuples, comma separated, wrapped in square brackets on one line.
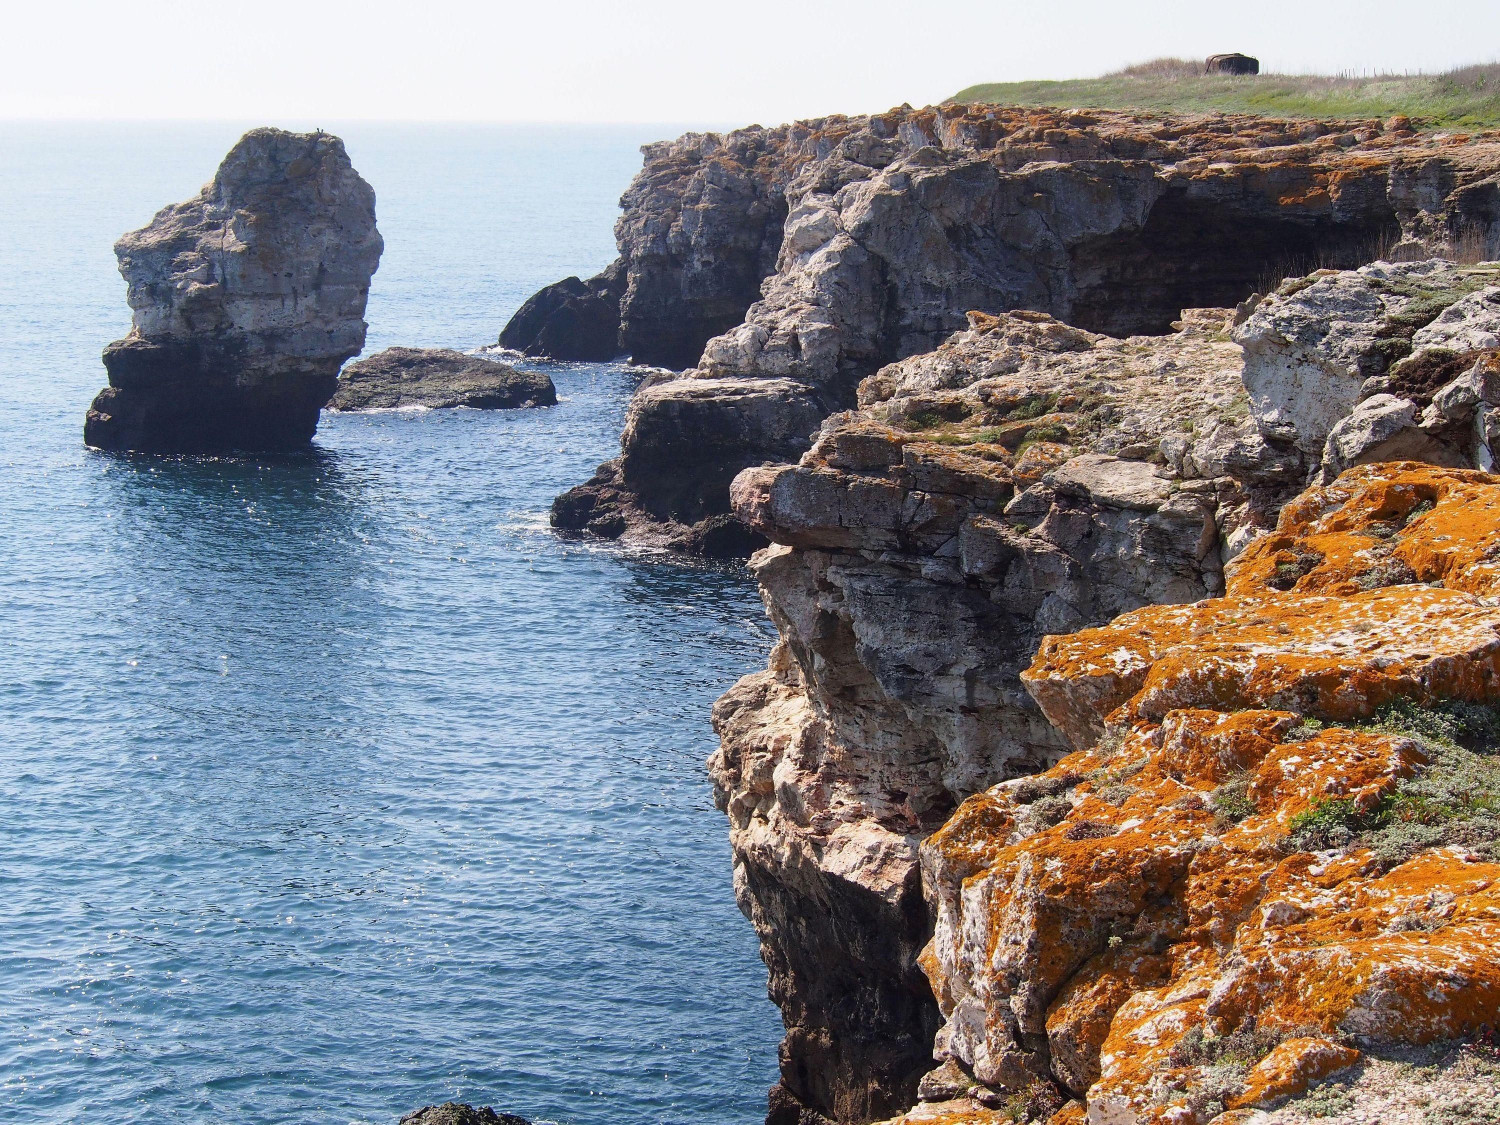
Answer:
[(305, 61)]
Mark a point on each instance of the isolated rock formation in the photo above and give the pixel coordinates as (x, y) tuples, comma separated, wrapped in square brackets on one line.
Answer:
[(438, 378), (1026, 478), (822, 250), (570, 319), (246, 300)]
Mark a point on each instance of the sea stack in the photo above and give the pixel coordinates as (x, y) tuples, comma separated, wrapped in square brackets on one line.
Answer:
[(246, 301)]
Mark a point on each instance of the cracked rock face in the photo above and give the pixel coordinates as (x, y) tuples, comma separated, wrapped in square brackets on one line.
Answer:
[(823, 250), (246, 301), (1103, 928), (985, 493), (1029, 478)]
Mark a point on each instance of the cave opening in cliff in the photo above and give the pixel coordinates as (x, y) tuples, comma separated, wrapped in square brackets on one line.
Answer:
[(1199, 254)]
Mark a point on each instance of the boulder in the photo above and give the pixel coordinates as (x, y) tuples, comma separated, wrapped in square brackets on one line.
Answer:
[(246, 300), (437, 378), (570, 319), (1313, 345), (1236, 64)]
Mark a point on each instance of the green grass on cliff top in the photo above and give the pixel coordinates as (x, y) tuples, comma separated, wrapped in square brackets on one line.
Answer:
[(1460, 99)]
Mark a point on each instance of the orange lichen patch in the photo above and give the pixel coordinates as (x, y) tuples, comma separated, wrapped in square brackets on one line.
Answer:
[(1336, 764), (1291, 1068), (1209, 747), (1336, 658), (1037, 459), (1071, 1114), (1142, 914), (1142, 907), (1380, 525), (1078, 1020), (960, 1111)]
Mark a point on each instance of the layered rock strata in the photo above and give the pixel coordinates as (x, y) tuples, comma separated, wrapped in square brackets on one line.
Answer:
[(438, 378), (246, 300), (1276, 846), (1026, 478), (874, 236)]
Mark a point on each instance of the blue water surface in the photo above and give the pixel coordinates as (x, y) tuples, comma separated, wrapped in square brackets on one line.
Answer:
[(338, 785)]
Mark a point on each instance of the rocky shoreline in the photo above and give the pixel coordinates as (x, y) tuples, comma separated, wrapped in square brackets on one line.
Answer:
[(1128, 750), (783, 266), (992, 501)]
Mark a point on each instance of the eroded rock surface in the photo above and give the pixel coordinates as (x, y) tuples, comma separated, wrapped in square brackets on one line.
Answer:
[(246, 300), (438, 378), (986, 493), (1243, 879), (810, 255), (1030, 478)]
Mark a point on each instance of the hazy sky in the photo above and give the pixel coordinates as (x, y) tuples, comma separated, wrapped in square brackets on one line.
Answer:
[(299, 62)]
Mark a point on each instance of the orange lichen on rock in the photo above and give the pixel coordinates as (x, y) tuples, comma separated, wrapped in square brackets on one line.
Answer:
[(1380, 525), (1139, 924)]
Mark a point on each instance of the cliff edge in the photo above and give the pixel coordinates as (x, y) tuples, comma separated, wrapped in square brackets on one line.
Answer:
[(785, 265), (1030, 479)]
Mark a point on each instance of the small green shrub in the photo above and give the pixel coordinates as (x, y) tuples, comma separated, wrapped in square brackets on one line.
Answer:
[(1034, 406), (1307, 728), (1231, 801), (1326, 1101), (1329, 823), (1455, 800), (1047, 431)]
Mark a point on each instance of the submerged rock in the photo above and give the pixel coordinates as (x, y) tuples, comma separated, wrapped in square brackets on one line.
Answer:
[(458, 1113), (437, 378), (246, 301)]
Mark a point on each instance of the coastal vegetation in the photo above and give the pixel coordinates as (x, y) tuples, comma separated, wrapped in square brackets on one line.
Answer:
[(1467, 98)]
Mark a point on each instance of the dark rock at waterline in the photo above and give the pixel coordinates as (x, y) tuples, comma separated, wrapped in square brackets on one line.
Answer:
[(571, 319), (457, 1113), (246, 300), (605, 507), (438, 378)]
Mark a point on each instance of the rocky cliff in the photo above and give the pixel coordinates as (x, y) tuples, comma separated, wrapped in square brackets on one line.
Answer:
[(246, 300), (787, 264), (1027, 479)]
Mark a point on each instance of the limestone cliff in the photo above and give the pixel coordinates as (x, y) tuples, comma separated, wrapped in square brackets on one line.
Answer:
[(1030, 478), (822, 250), (246, 300)]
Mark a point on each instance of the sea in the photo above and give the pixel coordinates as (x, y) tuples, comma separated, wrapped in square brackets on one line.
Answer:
[(338, 785)]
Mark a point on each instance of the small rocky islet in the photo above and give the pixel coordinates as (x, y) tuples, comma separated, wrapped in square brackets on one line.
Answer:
[(245, 301), (438, 378), (1128, 752)]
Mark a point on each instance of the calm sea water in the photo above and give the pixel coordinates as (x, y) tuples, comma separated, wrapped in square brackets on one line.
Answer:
[(335, 786)]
